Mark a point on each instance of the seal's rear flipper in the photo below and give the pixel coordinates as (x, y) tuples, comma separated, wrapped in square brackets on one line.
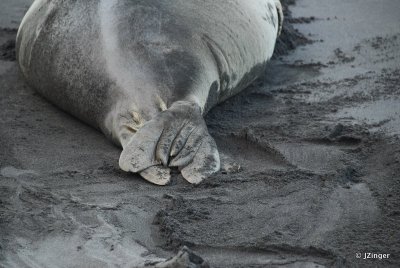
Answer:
[(199, 158), (157, 174), (177, 137)]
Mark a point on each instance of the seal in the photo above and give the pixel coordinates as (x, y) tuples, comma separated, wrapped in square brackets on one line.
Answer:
[(145, 72)]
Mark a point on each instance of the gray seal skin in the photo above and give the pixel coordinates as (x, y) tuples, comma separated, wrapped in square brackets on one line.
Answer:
[(145, 72)]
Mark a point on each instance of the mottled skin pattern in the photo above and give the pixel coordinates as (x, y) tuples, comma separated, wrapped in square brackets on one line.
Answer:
[(146, 71)]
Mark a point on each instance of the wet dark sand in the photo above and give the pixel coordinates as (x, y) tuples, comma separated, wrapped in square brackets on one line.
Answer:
[(317, 141)]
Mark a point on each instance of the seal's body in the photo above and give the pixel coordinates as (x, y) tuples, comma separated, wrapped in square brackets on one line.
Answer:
[(145, 71)]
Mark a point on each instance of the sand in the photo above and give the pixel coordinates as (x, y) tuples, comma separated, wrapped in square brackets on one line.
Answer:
[(316, 144)]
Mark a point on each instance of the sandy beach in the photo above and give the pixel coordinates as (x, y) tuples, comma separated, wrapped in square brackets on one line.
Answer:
[(316, 144)]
